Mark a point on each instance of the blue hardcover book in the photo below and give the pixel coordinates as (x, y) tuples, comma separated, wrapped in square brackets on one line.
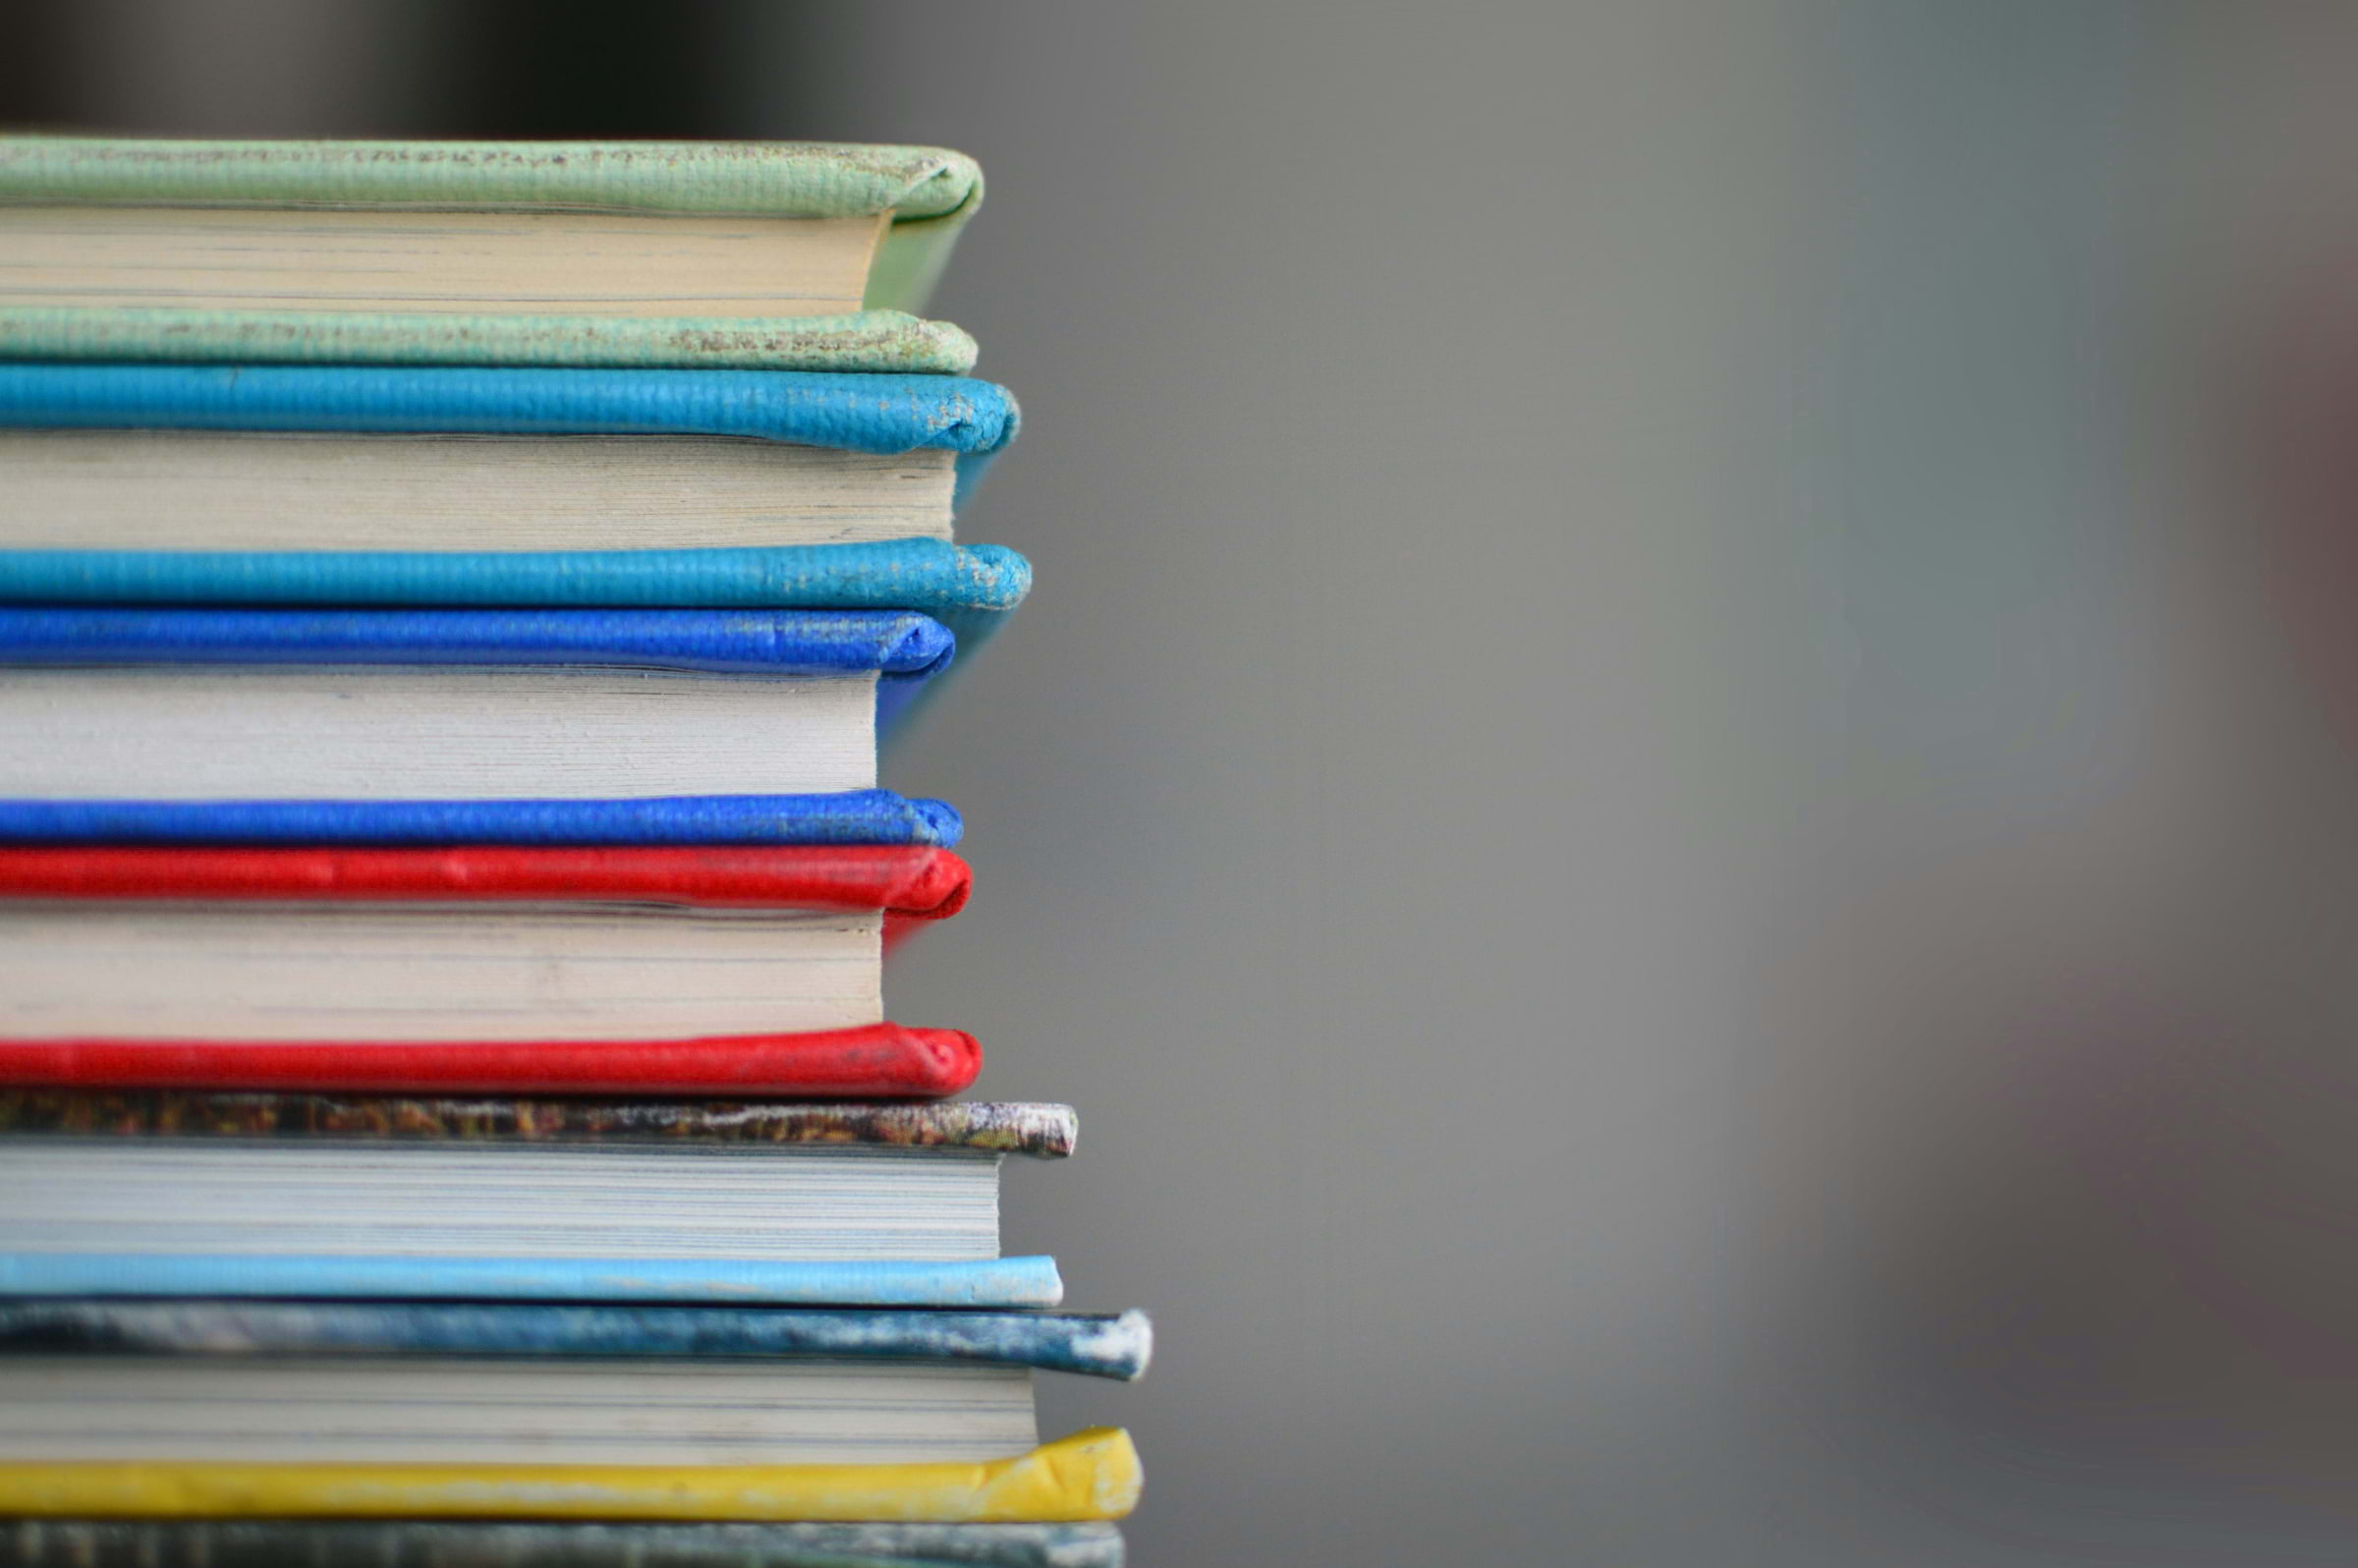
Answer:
[(847, 816), (969, 421), (425, 709), (1095, 1344), (266, 484), (357, 484)]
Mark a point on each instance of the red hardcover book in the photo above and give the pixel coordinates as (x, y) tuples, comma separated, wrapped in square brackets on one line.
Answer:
[(915, 882), (879, 1061), (219, 1025)]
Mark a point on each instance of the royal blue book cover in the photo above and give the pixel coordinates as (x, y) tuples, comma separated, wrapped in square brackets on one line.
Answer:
[(787, 643), (849, 816), (1097, 1344), (900, 649)]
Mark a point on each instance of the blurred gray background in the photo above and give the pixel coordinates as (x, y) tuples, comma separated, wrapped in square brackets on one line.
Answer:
[(1677, 797)]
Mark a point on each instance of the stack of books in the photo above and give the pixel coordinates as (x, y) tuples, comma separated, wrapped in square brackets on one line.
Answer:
[(450, 598)]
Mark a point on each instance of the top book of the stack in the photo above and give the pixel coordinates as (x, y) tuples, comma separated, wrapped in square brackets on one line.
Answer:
[(780, 256)]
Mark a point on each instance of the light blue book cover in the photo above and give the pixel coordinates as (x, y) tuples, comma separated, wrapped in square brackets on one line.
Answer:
[(971, 588), (991, 1282), (974, 419)]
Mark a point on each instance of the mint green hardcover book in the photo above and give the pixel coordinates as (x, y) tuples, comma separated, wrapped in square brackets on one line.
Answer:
[(777, 256)]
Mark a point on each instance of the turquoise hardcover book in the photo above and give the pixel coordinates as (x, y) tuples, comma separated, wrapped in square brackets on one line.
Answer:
[(266, 484)]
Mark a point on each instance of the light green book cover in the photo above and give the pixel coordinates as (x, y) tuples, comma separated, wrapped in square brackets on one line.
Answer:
[(929, 192)]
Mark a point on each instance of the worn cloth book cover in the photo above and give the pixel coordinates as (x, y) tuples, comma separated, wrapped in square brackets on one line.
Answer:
[(873, 1061), (1090, 1474), (895, 651), (912, 882), (1038, 1131), (881, 413), (896, 647), (1094, 1344), (972, 590), (471, 968), (496, 1544), (843, 818), (900, 208)]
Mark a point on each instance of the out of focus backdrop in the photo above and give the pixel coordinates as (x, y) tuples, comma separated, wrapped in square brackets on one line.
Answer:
[(1679, 795)]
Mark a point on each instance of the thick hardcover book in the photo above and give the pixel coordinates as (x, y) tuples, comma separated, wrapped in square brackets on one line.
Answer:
[(1095, 1344), (478, 967), (768, 254), (874, 1061), (492, 1543), (1091, 1475), (969, 421), (110, 704), (844, 818)]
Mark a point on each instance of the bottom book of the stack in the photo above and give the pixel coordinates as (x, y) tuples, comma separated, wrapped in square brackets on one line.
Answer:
[(692, 1332), (443, 1543)]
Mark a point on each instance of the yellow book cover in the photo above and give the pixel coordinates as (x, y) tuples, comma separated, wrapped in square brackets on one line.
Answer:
[(1091, 1475)]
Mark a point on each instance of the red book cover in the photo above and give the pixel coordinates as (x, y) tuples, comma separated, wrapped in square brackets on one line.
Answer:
[(880, 1061), (909, 883)]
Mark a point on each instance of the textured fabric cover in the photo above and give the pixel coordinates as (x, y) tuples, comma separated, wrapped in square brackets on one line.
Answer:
[(772, 179), (797, 643), (876, 1061), (1099, 1344), (849, 816), (970, 589), (860, 413), (879, 341)]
